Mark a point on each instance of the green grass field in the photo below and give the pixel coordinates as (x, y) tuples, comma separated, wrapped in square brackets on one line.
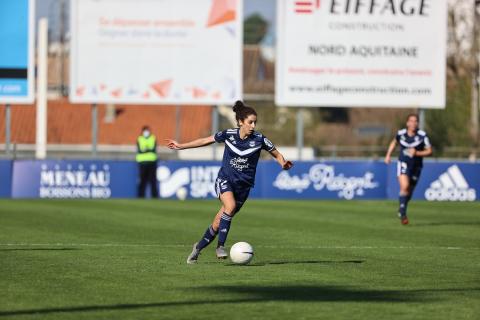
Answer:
[(125, 259)]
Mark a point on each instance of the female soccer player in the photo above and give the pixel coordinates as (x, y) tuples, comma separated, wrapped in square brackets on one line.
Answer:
[(414, 145), (237, 174)]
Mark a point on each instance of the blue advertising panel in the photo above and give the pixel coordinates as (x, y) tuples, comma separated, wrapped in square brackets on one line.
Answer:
[(325, 180), (16, 56), (5, 178), (306, 180), (187, 179), (74, 179), (447, 181)]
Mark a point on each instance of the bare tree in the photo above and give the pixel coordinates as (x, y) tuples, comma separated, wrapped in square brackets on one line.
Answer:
[(475, 73), (460, 44), (463, 51)]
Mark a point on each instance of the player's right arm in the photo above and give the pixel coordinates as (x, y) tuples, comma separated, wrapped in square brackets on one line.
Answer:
[(172, 144), (391, 147), (285, 164)]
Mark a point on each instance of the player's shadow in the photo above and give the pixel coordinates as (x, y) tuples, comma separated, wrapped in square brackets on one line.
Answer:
[(306, 293), (288, 262), (449, 223), (258, 294), (39, 249)]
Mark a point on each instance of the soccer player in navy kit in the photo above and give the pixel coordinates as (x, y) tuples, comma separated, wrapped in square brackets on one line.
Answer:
[(237, 174), (414, 145)]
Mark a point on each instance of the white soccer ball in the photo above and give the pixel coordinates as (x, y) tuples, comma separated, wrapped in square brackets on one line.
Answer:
[(241, 253), (182, 193)]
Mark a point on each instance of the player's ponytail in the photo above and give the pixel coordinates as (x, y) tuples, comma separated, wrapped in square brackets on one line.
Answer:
[(242, 111), (237, 106)]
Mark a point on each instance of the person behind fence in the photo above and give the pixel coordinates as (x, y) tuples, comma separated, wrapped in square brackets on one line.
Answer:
[(147, 162), (414, 145), (237, 174)]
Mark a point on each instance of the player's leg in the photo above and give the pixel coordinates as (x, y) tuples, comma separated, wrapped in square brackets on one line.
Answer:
[(152, 178), (212, 230), (216, 220), (404, 182), (229, 205), (411, 186), (413, 182), (240, 196), (220, 251), (142, 172), (207, 238)]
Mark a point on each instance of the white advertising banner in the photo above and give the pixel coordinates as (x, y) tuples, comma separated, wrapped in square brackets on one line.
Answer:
[(361, 53), (156, 51)]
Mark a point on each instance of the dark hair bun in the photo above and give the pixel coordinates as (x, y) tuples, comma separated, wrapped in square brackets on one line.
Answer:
[(237, 106)]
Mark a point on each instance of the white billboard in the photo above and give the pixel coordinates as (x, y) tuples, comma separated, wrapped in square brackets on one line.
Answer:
[(156, 51), (361, 53)]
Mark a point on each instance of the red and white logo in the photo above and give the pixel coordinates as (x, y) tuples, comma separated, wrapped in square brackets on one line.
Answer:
[(306, 7)]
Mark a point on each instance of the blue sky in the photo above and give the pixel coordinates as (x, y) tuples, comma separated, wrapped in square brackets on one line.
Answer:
[(266, 8)]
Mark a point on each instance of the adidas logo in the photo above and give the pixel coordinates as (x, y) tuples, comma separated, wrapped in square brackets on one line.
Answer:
[(450, 186)]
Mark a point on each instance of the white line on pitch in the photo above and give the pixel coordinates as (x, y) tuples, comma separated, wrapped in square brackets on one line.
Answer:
[(260, 246)]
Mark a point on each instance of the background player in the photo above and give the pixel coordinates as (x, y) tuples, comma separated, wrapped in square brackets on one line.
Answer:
[(414, 145), (237, 174)]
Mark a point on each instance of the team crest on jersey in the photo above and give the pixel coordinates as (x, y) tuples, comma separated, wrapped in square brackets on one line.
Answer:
[(252, 144), (232, 138), (268, 143)]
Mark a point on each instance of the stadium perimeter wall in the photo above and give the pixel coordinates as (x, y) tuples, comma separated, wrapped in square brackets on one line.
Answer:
[(440, 181)]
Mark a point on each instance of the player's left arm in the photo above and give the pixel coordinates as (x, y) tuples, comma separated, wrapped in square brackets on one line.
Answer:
[(285, 164), (422, 153), (427, 150), (172, 144)]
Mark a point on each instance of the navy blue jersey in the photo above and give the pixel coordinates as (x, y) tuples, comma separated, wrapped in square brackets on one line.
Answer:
[(240, 157), (419, 141)]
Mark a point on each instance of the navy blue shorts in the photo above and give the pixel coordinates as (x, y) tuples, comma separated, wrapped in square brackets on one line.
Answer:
[(413, 172), (240, 193)]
